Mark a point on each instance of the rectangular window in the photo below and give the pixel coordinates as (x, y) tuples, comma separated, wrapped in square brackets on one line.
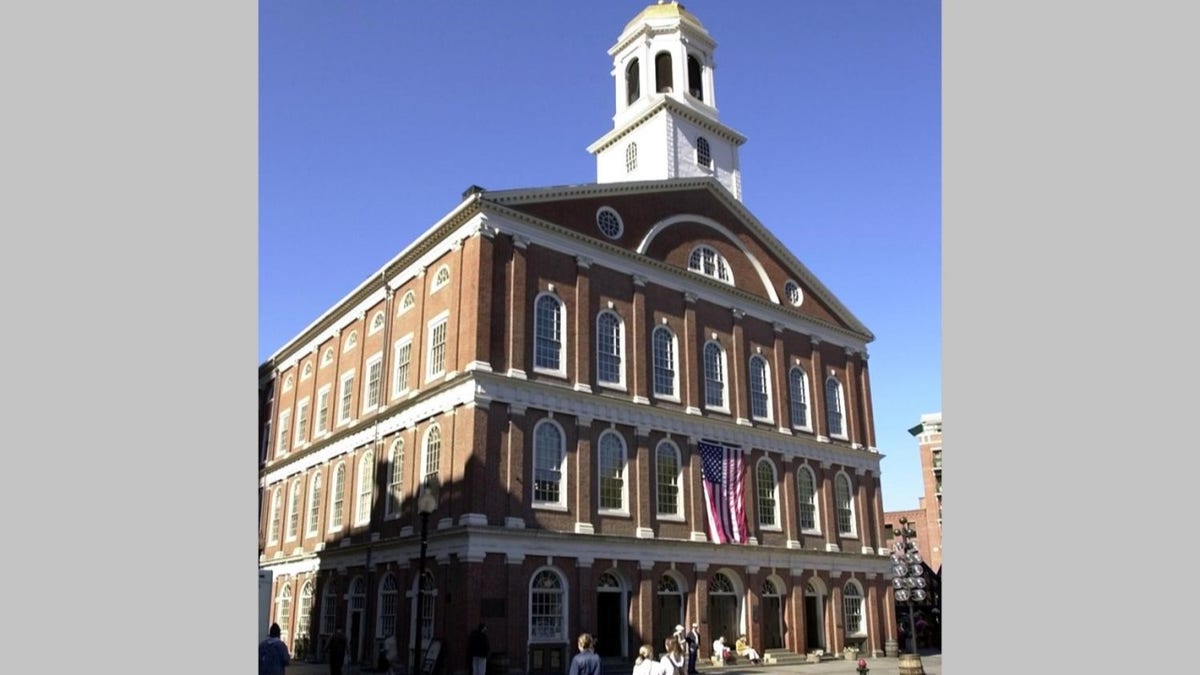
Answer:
[(437, 347), (323, 410), (403, 360), (664, 363), (346, 398), (374, 378), (302, 422), (285, 430), (668, 489)]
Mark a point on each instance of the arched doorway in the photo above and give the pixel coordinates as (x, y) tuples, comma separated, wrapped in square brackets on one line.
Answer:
[(612, 617), (814, 616), (668, 610), (723, 609), (356, 617), (772, 615), (424, 622)]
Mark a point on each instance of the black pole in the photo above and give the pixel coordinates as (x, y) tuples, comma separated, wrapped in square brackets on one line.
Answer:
[(912, 627), (421, 591)]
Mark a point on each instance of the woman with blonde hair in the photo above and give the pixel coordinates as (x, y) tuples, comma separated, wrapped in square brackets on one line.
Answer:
[(645, 663)]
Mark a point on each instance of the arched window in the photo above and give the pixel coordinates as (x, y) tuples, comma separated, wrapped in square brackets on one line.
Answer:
[(630, 157), (720, 584), (338, 498), (633, 83), (695, 79), (666, 467), (376, 323), (314, 504), (760, 388), (612, 471), (610, 344), (288, 382), (293, 522), (833, 407), (327, 357), (662, 73), (389, 593), (703, 153), (665, 381), (283, 609), (306, 372), (843, 496), (547, 608), (276, 515), (428, 591), (548, 334), (304, 613), (708, 262), (366, 483), (714, 375), (329, 608), (441, 278), (548, 465), (806, 488), (798, 397), (852, 606), (351, 342), (395, 472), (407, 302), (432, 457), (768, 499)]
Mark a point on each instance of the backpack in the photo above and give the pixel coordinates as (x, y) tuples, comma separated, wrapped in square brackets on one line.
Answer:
[(267, 659)]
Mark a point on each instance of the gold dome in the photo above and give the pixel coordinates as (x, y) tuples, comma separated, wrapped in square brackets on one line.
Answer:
[(664, 10)]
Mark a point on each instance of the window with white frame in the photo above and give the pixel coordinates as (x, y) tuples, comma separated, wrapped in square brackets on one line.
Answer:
[(314, 504), (322, 420), (793, 293), (374, 382), (432, 457), (440, 279), (329, 607), (366, 484), (548, 333), (302, 422), (395, 473), (275, 515), (768, 494), (293, 517), (705, 260), (403, 361), (437, 346), (798, 397), (428, 591), (285, 433), (612, 472), (288, 382), (407, 302), (389, 595), (667, 468), (376, 323), (306, 371), (549, 469), (852, 608), (843, 495), (609, 222), (630, 157), (338, 498), (304, 614), (760, 388), (327, 357), (346, 398), (703, 153), (665, 375), (351, 341), (714, 376), (283, 608), (609, 347), (547, 608), (833, 407), (806, 488)]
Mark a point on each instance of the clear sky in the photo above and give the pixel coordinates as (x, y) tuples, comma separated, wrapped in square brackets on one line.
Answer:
[(375, 115)]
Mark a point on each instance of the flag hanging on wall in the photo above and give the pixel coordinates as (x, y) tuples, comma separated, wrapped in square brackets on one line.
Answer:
[(723, 481)]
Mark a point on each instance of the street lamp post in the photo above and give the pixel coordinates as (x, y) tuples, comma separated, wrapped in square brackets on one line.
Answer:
[(909, 579), (427, 500)]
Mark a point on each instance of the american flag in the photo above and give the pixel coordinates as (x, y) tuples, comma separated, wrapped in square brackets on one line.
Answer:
[(722, 469)]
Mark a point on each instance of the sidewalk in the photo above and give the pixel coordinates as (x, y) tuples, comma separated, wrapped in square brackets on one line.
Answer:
[(932, 664)]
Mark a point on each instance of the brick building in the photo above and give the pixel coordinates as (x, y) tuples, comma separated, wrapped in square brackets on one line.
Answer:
[(553, 358), (926, 519)]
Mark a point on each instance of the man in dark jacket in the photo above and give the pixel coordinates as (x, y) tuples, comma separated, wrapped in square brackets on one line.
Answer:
[(336, 650), (478, 649), (273, 655)]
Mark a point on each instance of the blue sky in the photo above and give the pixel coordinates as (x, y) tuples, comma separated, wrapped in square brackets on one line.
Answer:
[(375, 115)]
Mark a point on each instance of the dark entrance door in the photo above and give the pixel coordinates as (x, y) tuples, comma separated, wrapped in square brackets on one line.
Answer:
[(772, 622), (722, 618), (812, 623), (355, 633), (667, 615), (608, 624)]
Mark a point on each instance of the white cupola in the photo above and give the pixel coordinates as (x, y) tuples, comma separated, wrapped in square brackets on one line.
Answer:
[(666, 123)]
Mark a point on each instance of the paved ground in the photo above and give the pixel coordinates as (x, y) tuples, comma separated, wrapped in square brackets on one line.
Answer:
[(932, 664)]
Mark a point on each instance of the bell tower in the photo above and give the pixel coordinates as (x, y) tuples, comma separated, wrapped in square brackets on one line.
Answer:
[(666, 123)]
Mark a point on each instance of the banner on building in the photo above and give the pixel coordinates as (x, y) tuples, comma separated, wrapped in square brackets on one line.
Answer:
[(724, 482)]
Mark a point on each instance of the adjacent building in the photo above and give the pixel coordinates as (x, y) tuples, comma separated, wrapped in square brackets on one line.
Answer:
[(640, 409)]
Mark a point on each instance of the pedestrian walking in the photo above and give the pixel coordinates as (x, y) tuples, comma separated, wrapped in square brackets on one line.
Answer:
[(478, 649), (586, 662), (693, 648), (273, 655), (335, 650)]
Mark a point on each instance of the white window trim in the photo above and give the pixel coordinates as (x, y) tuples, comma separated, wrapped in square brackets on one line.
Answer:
[(674, 398), (376, 358), (425, 452), (841, 392), (306, 370), (437, 285), (707, 166), (862, 608), (561, 371), (442, 318), (677, 516), (619, 384), (329, 517), (365, 473), (623, 510), (285, 427), (288, 382), (295, 489), (391, 469), (311, 525), (565, 636), (804, 383), (799, 291), (564, 478), (273, 533), (345, 413), (351, 341), (770, 416), (407, 302), (724, 408), (717, 258), (778, 526), (816, 528), (327, 357), (301, 422), (853, 533), (377, 323), (399, 388), (323, 420)]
